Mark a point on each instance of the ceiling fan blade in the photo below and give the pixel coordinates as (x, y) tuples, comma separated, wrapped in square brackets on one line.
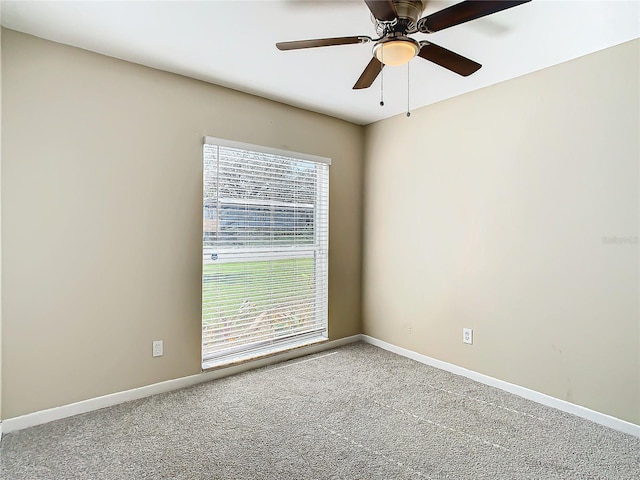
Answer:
[(448, 59), (321, 42), (383, 10), (370, 73), (463, 12)]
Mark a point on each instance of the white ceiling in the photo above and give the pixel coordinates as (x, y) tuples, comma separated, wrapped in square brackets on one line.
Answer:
[(231, 43)]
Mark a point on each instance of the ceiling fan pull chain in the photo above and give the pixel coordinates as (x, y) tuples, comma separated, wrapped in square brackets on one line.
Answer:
[(408, 89), (382, 80)]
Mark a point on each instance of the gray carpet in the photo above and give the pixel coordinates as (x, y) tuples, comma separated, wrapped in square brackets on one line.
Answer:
[(357, 412)]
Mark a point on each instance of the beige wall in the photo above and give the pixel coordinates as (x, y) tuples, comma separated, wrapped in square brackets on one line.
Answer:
[(101, 220), (489, 211), (485, 211)]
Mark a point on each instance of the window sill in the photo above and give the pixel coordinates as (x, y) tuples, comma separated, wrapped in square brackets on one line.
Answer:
[(223, 362)]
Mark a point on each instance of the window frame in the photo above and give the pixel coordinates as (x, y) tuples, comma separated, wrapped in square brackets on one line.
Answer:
[(321, 212)]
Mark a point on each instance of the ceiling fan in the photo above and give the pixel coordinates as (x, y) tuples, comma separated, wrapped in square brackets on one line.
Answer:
[(395, 20)]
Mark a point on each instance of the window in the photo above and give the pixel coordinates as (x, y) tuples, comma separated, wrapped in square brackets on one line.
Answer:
[(265, 245)]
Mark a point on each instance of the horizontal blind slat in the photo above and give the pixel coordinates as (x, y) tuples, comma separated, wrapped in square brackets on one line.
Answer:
[(239, 335)]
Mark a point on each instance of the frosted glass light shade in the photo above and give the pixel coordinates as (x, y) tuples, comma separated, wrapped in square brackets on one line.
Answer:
[(396, 52)]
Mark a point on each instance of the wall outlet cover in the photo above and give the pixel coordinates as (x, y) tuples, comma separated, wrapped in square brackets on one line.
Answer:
[(157, 348), (467, 335)]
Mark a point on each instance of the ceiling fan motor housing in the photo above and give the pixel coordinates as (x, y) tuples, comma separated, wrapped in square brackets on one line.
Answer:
[(409, 11)]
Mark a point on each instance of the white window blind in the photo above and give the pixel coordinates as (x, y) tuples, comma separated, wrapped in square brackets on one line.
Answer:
[(265, 250)]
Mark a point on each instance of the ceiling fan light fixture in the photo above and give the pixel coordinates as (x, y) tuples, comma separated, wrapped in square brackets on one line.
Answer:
[(396, 51)]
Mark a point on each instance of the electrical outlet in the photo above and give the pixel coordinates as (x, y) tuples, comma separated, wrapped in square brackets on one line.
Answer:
[(157, 348), (467, 336)]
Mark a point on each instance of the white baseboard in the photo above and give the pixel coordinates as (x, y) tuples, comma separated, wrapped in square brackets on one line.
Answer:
[(592, 415), (44, 416), (57, 413)]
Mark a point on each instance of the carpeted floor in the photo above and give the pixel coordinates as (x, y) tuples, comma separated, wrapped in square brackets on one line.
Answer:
[(357, 412)]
